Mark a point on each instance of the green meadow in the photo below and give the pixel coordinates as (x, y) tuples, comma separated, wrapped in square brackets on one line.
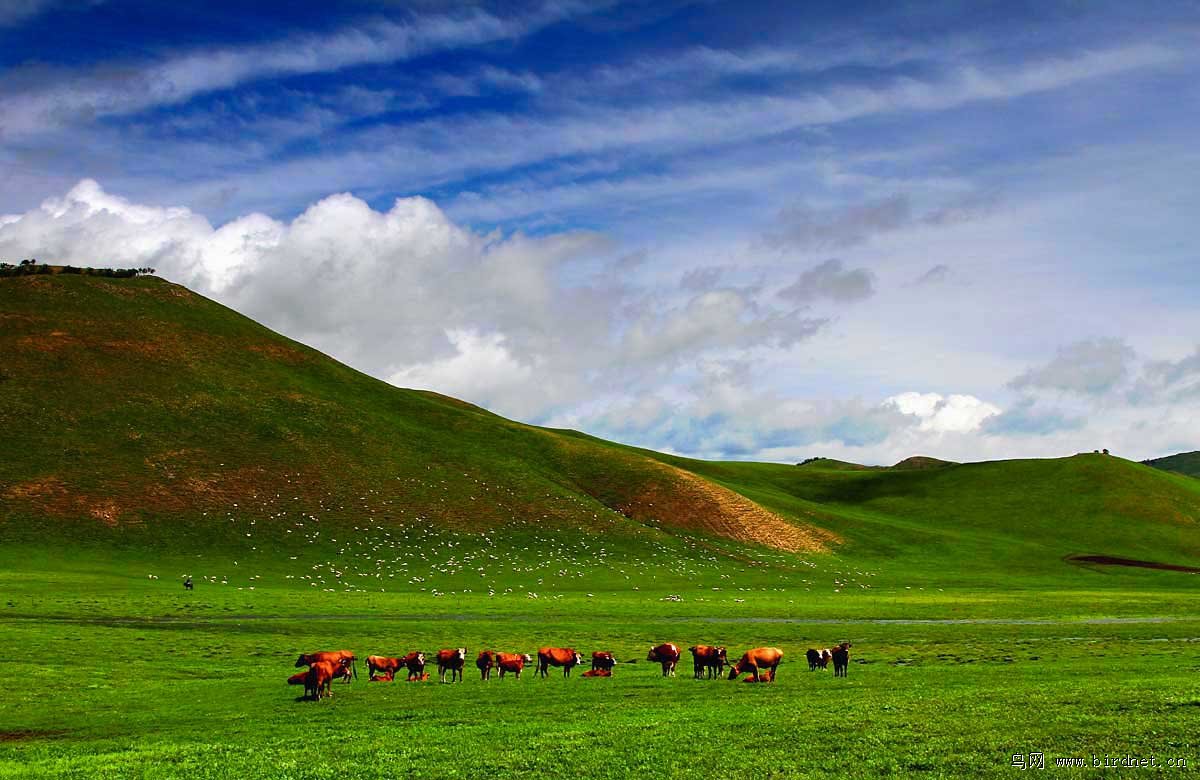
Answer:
[(149, 434)]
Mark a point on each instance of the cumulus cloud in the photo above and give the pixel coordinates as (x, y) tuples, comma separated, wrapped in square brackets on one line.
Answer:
[(1092, 367), (833, 281), (954, 413), (408, 295)]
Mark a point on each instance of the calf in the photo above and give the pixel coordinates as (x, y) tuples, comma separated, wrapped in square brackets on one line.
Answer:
[(512, 662), (759, 661), (603, 660), (566, 657), (415, 663), (667, 655), (598, 673), (452, 661), (485, 662), (841, 659), (708, 661), (319, 676)]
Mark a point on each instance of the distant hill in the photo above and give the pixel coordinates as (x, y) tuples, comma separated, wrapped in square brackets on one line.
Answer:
[(1183, 463), (137, 415)]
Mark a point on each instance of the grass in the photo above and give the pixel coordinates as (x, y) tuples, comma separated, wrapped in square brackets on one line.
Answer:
[(151, 434)]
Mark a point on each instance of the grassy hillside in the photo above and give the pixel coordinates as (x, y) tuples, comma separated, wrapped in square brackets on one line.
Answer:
[(150, 420), (1184, 463), (147, 433)]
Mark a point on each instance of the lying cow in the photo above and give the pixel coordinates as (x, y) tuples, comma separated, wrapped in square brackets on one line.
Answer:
[(512, 662), (604, 661), (598, 673), (759, 661), (452, 661), (667, 655), (708, 661), (334, 656), (485, 662), (841, 659), (422, 677), (566, 657)]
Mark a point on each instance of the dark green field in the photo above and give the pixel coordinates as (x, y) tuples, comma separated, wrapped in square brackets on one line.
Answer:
[(148, 434)]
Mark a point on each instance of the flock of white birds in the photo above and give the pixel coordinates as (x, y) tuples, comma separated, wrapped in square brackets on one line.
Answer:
[(388, 547)]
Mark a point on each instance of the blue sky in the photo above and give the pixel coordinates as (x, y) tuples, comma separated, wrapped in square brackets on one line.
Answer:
[(723, 229)]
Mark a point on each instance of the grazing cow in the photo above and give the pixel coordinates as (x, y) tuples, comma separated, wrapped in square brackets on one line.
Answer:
[(335, 656), (512, 662), (708, 661), (814, 660), (485, 662), (841, 659), (760, 660), (452, 661), (415, 663), (383, 666), (566, 657), (598, 673), (667, 655), (603, 660)]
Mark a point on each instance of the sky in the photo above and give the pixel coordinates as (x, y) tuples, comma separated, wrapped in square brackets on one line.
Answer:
[(766, 231)]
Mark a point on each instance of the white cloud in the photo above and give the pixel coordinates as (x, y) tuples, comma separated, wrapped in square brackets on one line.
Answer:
[(954, 413)]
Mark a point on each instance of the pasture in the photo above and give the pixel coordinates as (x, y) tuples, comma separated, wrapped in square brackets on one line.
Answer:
[(113, 674)]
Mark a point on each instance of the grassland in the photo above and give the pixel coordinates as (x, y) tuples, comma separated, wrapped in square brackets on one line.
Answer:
[(150, 434)]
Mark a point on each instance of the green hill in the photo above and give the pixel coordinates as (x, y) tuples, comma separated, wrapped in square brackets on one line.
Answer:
[(145, 420), (1184, 463)]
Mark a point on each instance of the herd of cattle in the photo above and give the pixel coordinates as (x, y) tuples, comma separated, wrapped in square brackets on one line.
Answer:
[(708, 662)]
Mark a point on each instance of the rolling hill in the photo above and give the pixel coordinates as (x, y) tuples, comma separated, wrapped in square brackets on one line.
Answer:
[(143, 419), (1184, 463)]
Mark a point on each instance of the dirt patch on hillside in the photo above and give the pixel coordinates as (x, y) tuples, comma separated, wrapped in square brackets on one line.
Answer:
[(1109, 560), (685, 500), (280, 352)]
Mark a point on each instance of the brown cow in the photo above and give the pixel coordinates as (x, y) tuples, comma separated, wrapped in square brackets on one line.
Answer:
[(841, 659), (667, 655), (452, 660), (760, 659), (485, 662), (602, 659), (598, 673), (566, 657), (422, 677), (383, 666), (299, 678), (512, 662), (335, 656), (415, 663), (319, 676), (826, 655), (708, 661)]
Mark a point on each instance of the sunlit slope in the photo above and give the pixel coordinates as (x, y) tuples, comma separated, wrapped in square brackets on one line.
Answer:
[(133, 411), (1021, 516)]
